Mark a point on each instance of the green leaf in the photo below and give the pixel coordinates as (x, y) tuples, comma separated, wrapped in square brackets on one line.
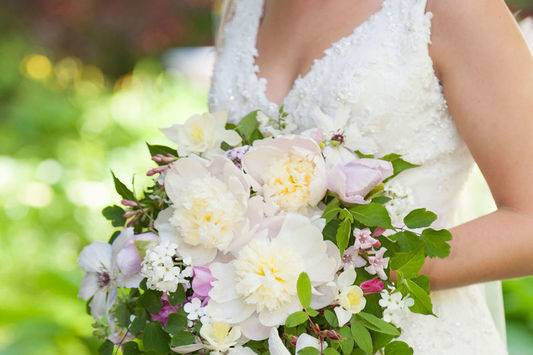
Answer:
[(331, 210), (311, 312), (155, 338), (309, 351), (362, 337), (398, 164), (303, 287), (115, 214), (248, 128), (330, 351), (106, 348), (113, 237), (420, 296), (347, 343), (372, 215), (161, 149), (182, 338), (436, 242), (363, 155), (130, 348), (377, 324), (139, 322), (343, 235), (295, 319), (176, 322), (408, 241), (419, 218), (408, 263), (331, 318), (151, 300), (121, 189), (422, 281), (178, 296), (330, 230), (398, 348), (381, 199), (122, 314)]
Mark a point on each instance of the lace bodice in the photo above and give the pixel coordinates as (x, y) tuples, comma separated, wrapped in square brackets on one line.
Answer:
[(381, 76)]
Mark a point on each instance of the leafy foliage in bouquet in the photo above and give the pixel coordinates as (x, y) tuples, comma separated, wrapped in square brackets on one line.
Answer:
[(251, 244)]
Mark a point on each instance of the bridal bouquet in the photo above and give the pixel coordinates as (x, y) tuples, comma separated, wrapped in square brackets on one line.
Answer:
[(247, 244)]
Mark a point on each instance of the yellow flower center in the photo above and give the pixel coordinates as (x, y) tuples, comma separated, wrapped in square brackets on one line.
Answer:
[(289, 182)]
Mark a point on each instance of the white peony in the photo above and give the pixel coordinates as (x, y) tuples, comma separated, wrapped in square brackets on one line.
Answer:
[(211, 208), (202, 134), (289, 170), (257, 290)]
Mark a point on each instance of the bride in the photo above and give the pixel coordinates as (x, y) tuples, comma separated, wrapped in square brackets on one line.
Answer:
[(446, 84)]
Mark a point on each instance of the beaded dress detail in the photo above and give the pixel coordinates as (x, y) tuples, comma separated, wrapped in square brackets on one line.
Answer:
[(381, 78)]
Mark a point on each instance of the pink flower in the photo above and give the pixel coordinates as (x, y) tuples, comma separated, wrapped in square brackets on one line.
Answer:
[(354, 180), (202, 281), (166, 310), (372, 286), (351, 257), (363, 239), (378, 264)]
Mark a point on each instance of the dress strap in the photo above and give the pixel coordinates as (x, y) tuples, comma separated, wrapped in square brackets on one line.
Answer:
[(226, 13)]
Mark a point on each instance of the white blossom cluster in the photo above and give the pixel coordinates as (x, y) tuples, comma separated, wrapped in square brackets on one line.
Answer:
[(400, 204), (160, 269), (395, 306), (272, 127)]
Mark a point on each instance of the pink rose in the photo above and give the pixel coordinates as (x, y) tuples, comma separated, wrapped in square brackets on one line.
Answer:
[(372, 286), (354, 180), (202, 281)]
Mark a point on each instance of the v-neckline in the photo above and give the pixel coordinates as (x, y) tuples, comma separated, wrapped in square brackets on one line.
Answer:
[(314, 64)]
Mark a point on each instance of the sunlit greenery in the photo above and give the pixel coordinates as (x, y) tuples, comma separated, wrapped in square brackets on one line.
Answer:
[(62, 128)]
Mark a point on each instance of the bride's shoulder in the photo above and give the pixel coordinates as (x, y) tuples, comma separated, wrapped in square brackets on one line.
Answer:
[(466, 28)]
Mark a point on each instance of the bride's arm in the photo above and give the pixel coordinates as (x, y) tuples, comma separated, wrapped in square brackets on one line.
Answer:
[(487, 73)]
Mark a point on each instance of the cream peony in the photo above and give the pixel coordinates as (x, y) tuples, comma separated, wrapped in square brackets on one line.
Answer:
[(202, 134), (257, 290), (289, 170), (211, 208)]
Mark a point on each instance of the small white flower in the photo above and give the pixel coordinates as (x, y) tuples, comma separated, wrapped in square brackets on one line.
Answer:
[(395, 306), (363, 238), (350, 297), (377, 264), (202, 134), (272, 127), (160, 269), (221, 336), (401, 202), (194, 309)]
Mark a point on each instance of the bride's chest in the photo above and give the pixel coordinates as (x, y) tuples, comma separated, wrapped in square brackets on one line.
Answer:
[(381, 75)]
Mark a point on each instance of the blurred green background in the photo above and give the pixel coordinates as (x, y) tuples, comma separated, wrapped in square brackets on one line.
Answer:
[(83, 84)]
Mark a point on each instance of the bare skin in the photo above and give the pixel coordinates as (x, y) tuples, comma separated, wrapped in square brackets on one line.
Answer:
[(487, 73)]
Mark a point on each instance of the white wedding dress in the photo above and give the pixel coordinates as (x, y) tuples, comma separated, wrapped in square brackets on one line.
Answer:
[(383, 77)]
